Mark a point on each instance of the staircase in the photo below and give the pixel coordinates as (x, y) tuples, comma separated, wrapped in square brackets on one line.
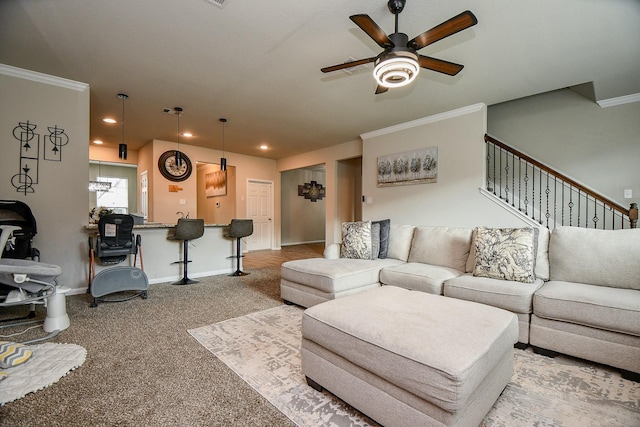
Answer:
[(548, 197)]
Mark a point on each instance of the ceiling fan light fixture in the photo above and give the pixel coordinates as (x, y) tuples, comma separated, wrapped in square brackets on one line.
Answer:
[(396, 69)]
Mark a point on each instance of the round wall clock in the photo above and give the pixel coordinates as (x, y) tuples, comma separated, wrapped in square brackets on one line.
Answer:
[(170, 169)]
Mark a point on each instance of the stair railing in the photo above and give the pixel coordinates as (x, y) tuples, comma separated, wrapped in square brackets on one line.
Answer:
[(547, 196)]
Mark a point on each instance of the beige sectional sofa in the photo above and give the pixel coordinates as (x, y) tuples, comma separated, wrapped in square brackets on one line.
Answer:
[(582, 298)]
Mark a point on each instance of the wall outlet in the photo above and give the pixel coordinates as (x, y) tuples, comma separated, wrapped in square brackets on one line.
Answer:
[(182, 201), (628, 194)]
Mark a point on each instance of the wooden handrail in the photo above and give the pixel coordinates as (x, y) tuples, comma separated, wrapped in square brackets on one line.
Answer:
[(614, 205)]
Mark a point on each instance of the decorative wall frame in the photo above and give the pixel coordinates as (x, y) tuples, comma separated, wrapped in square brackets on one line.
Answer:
[(410, 167), (312, 191), (216, 184)]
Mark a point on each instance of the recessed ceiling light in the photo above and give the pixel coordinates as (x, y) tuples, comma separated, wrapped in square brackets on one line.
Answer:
[(109, 120), (97, 141), (187, 134), (264, 147)]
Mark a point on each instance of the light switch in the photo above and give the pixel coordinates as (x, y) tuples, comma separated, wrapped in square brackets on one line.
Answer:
[(182, 202), (628, 194), (369, 199)]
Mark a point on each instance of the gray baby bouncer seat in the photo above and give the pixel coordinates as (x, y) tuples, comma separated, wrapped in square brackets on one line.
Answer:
[(114, 244), (23, 279)]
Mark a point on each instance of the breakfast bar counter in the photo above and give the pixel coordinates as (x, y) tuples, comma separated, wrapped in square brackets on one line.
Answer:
[(209, 254)]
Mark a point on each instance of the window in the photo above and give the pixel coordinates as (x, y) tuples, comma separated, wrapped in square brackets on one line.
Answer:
[(117, 198)]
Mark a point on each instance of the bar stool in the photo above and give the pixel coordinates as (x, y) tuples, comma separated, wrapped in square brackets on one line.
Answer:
[(187, 229), (238, 229)]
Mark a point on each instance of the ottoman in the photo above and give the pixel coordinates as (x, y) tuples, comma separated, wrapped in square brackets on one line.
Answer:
[(307, 282), (408, 358)]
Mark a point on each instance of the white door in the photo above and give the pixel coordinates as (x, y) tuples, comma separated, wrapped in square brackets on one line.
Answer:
[(260, 210)]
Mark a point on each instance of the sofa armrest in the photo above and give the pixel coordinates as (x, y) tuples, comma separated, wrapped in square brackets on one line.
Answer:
[(332, 251)]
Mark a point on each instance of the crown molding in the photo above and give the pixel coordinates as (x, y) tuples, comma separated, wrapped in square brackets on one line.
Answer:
[(426, 120), (35, 76), (620, 100)]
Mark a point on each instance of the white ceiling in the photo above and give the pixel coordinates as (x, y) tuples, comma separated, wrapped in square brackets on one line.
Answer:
[(258, 63)]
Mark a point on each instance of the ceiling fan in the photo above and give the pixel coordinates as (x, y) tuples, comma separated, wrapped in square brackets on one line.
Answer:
[(399, 63)]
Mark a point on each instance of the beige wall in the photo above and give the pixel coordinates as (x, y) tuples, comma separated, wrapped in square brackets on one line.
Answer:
[(329, 157), (454, 200), (164, 204), (302, 221), (217, 209), (599, 147), (60, 200)]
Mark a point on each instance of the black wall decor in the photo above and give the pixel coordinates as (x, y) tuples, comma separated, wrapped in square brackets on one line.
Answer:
[(312, 191), (29, 174)]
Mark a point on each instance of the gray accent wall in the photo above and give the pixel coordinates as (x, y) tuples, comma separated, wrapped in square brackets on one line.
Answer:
[(598, 147)]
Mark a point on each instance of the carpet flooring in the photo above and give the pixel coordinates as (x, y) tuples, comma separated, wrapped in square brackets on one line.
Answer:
[(263, 349), (143, 368)]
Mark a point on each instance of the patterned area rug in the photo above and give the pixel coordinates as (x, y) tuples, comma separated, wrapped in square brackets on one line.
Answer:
[(263, 349), (48, 363)]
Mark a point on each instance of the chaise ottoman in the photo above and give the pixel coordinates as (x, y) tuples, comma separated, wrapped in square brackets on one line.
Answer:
[(307, 282), (408, 358)]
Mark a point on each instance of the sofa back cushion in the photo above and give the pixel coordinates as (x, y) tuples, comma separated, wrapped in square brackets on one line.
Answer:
[(444, 246), (400, 237), (595, 257)]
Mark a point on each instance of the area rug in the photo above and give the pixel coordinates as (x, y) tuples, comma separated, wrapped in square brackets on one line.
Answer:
[(263, 348), (48, 363)]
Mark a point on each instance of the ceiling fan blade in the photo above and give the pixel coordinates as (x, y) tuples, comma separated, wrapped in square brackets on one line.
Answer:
[(347, 65), (458, 23), (439, 65), (373, 30), (381, 89)]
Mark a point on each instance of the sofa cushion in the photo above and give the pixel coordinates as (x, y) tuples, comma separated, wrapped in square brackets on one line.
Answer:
[(444, 246), (334, 275), (417, 276), (513, 296), (596, 257), (400, 237), (385, 227), (611, 309), (506, 253), (542, 254), (356, 240)]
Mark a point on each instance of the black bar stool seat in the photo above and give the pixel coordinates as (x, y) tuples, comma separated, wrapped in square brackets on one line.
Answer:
[(187, 229), (238, 229)]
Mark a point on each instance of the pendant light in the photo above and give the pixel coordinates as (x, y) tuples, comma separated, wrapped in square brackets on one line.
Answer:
[(178, 112), (223, 160), (122, 148)]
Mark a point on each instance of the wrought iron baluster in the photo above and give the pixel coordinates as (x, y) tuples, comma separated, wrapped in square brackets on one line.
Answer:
[(506, 177)]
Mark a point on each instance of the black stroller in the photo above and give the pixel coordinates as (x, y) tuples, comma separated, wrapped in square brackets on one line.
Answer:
[(14, 212)]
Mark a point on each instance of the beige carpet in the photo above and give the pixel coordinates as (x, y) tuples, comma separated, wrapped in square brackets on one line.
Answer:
[(263, 349)]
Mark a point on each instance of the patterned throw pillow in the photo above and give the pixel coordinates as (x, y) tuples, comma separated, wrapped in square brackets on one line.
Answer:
[(3, 375), (356, 240), (506, 253), (13, 354)]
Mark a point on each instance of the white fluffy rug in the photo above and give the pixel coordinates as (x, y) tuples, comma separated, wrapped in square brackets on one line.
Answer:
[(49, 363), (263, 349)]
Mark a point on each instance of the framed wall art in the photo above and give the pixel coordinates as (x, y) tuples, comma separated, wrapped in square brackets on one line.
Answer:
[(410, 167), (216, 184)]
